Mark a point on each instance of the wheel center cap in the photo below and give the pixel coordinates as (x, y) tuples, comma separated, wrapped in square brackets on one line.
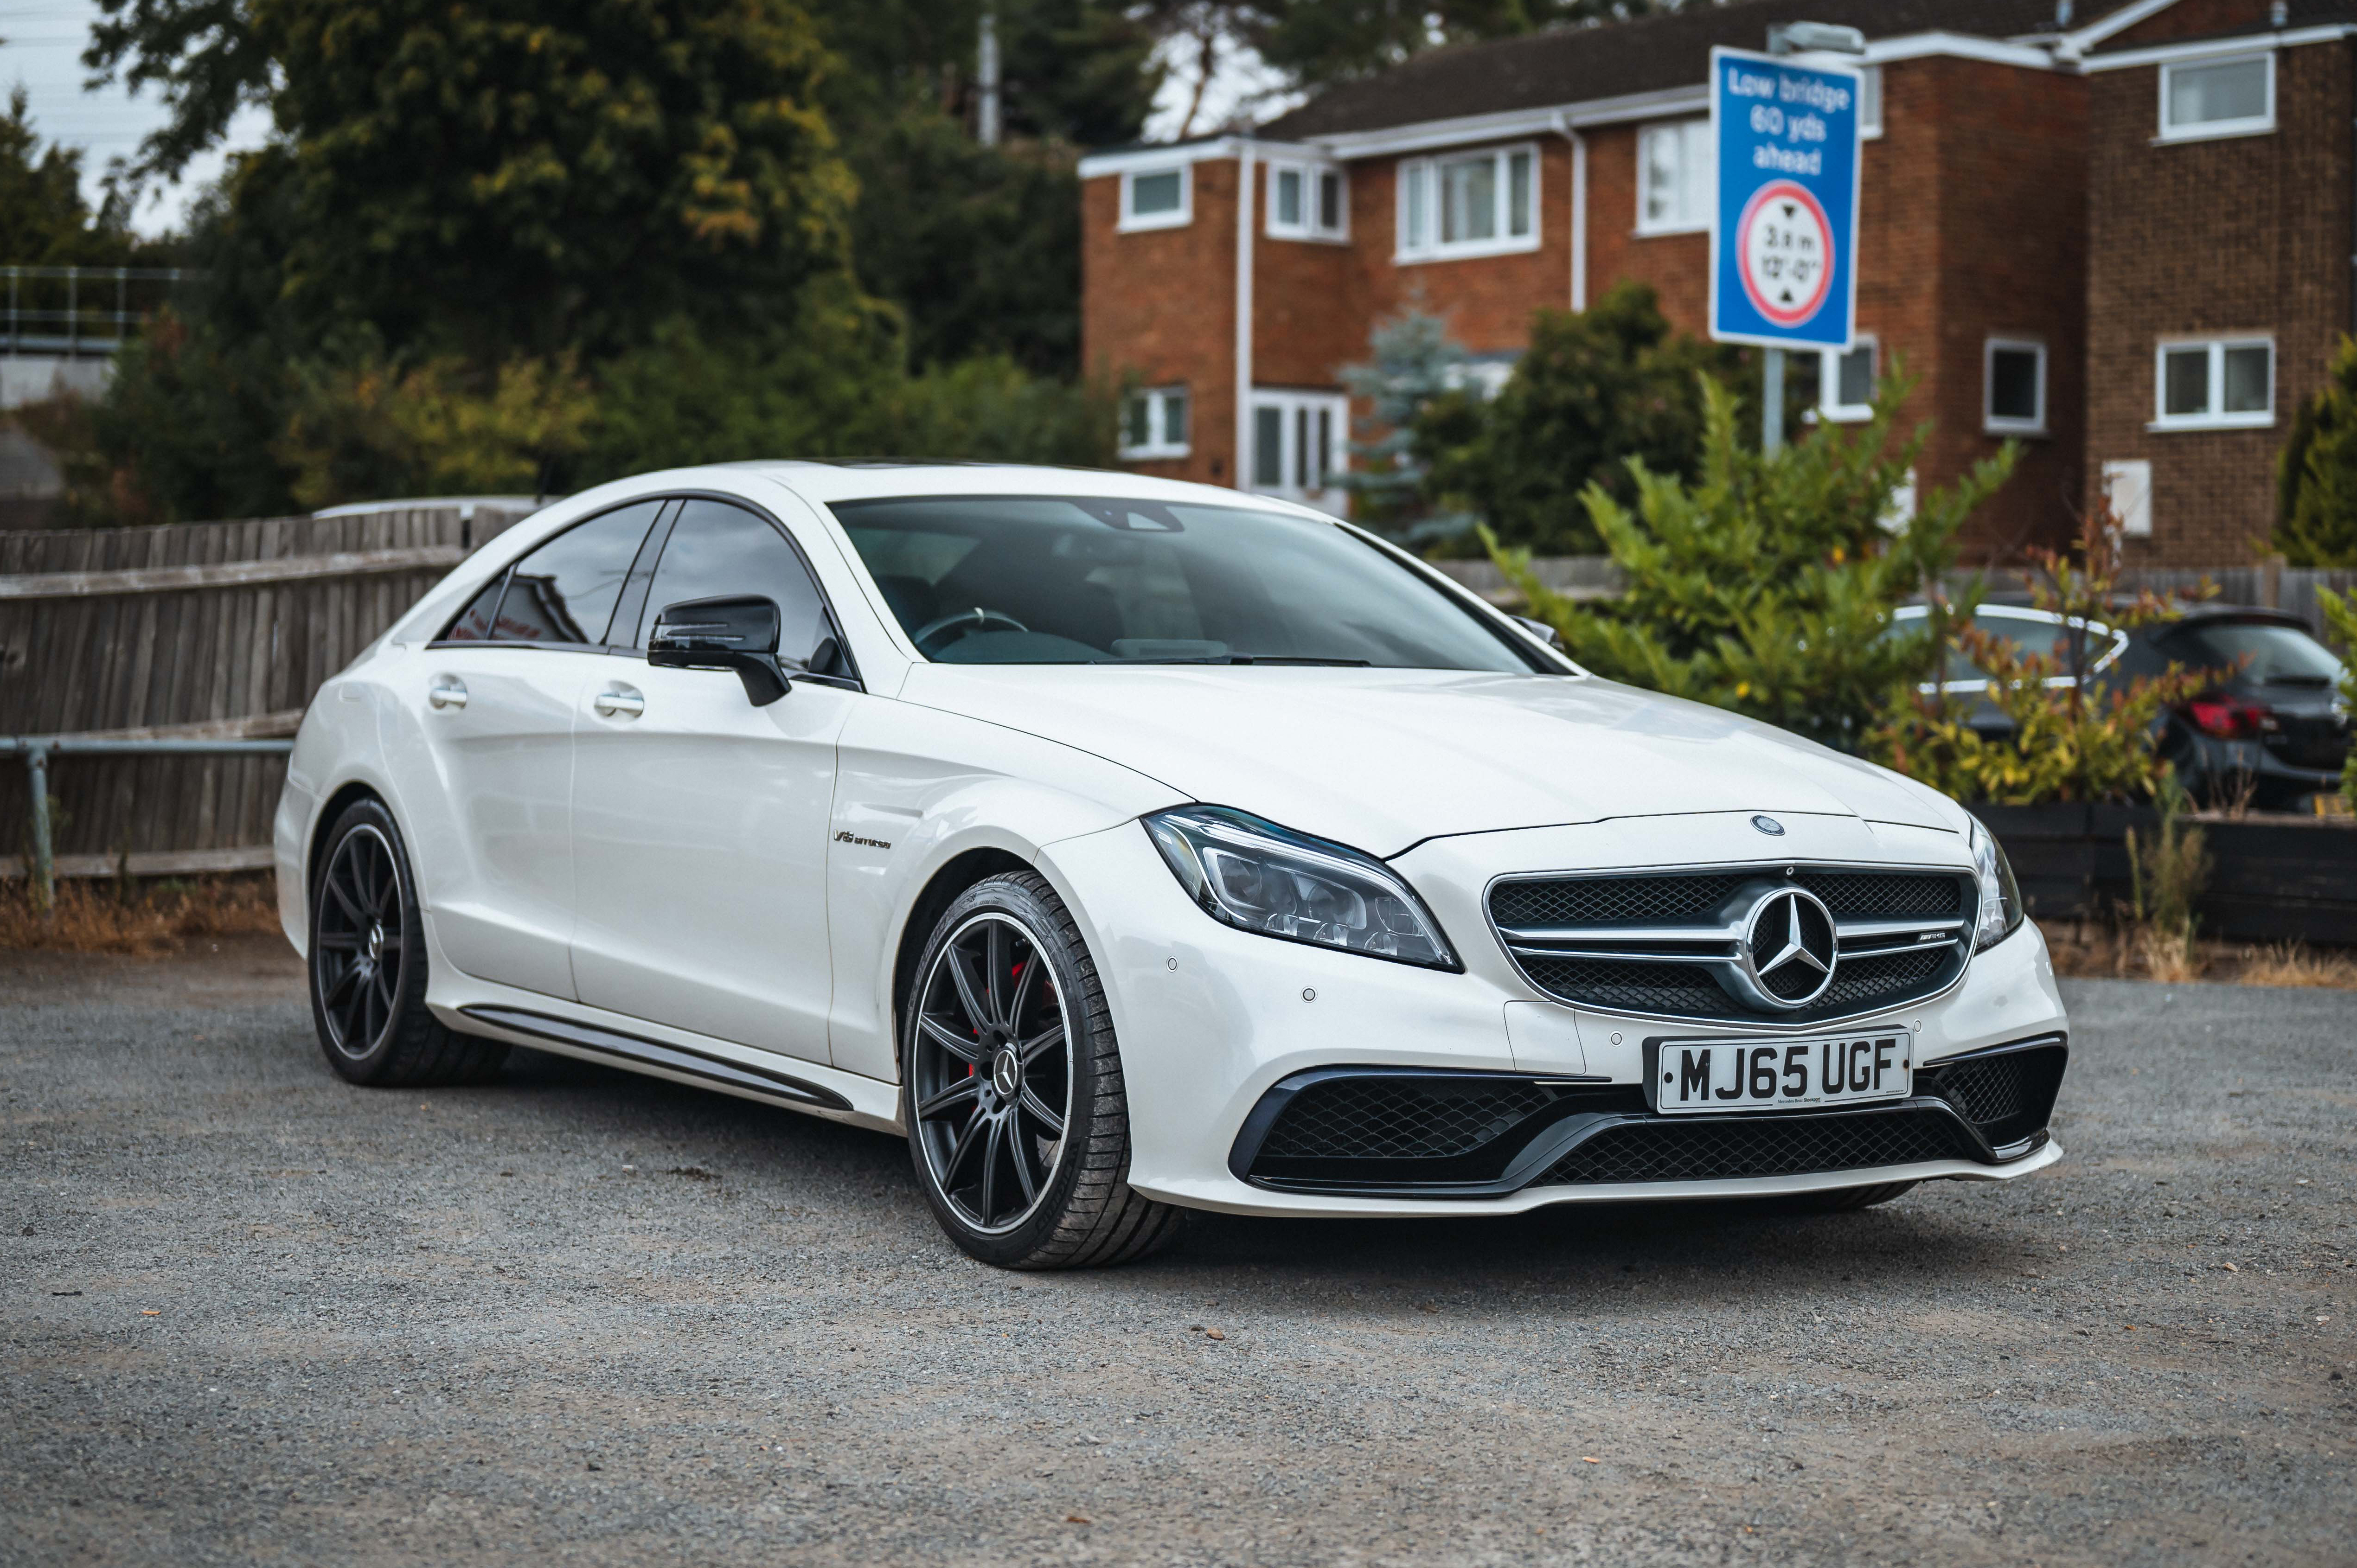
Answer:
[(1006, 1072), (375, 949)]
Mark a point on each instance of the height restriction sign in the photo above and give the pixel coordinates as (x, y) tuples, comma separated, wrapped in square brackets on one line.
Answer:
[(1784, 240)]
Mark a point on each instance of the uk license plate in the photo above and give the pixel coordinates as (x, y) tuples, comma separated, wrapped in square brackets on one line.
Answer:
[(1693, 1075)]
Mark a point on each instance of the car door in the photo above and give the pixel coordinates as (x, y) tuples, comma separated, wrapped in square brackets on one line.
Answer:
[(700, 820), (491, 789)]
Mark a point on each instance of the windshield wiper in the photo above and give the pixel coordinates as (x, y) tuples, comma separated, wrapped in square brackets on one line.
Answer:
[(1300, 659)]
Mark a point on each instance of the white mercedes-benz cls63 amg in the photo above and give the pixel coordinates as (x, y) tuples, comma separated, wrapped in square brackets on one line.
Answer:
[(1131, 847)]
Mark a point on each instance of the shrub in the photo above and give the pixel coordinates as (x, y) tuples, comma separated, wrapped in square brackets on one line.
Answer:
[(2069, 741), (1597, 392), (2341, 615), (2316, 477), (1766, 584)]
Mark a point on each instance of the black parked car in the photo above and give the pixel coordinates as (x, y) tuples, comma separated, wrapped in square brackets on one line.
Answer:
[(2270, 726)]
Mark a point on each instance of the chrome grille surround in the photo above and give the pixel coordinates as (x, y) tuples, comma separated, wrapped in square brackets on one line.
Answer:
[(1903, 936)]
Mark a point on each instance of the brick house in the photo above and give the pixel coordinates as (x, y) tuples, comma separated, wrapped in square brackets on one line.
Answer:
[(2007, 239)]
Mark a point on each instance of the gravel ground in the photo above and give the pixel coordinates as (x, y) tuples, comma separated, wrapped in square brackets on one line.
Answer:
[(252, 1314)]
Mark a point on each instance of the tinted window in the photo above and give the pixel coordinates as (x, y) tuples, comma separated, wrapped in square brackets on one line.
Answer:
[(474, 622), (2263, 651), (564, 591), (1056, 580), (716, 549)]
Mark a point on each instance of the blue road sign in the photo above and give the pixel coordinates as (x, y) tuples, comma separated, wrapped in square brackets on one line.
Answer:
[(1783, 241)]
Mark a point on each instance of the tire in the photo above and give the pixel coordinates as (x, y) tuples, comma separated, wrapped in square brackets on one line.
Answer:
[(367, 966), (1849, 1199), (988, 1058)]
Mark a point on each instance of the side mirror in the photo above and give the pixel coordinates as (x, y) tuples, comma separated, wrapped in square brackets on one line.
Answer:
[(737, 633), (1541, 630)]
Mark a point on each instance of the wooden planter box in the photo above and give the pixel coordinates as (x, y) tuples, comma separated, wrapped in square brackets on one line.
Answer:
[(2273, 878)]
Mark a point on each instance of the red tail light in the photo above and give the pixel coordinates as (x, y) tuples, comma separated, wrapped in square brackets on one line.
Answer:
[(2230, 718)]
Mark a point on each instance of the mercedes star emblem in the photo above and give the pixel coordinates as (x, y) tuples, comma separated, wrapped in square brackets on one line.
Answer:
[(1788, 948), (1769, 825)]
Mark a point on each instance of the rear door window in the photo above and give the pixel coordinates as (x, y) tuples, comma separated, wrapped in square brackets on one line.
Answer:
[(565, 592)]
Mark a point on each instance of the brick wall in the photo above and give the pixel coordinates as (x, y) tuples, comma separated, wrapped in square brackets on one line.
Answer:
[(2009, 254), (1159, 307), (2242, 234)]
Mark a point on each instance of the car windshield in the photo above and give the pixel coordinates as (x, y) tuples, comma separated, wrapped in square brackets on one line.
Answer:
[(1086, 580), (2266, 652), (2030, 635)]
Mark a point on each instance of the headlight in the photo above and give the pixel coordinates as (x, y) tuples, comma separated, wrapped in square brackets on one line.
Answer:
[(2000, 894), (1258, 877)]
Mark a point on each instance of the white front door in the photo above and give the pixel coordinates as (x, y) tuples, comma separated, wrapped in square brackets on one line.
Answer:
[(700, 822)]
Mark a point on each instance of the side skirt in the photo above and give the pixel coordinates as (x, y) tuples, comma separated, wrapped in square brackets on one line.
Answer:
[(589, 1041)]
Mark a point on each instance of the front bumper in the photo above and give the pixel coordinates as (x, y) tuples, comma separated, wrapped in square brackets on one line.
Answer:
[(1213, 1020)]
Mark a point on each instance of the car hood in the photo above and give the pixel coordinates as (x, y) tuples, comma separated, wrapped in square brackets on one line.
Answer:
[(1382, 759)]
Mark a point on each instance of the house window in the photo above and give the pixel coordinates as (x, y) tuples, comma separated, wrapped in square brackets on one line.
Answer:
[(1483, 204), (2013, 381), (2128, 492), (1306, 202), (1154, 422), (1870, 102), (1845, 385), (2217, 98), (1677, 177), (1157, 198), (1297, 443), (2220, 384)]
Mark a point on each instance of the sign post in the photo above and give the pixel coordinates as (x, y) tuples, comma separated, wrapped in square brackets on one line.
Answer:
[(1783, 238)]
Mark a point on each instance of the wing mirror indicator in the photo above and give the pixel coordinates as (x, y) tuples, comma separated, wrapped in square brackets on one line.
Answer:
[(739, 632)]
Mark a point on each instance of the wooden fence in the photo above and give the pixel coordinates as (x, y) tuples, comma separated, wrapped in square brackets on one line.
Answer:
[(215, 630)]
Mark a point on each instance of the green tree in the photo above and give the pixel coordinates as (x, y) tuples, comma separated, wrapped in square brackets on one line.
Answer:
[(1765, 583), (2315, 476), (1319, 41), (1595, 390), (1416, 365)]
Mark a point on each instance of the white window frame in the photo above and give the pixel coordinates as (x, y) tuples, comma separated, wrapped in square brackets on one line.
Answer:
[(1158, 444), (1430, 247), (1994, 423), (1297, 411), (1830, 407), (1309, 227), (1134, 222), (1869, 103), (2213, 130), (1685, 129), (2211, 418)]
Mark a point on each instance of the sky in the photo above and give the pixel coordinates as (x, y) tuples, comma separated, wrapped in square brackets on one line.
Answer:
[(40, 47), (41, 43)]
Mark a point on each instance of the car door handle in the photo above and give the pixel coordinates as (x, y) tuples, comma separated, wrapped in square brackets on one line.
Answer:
[(620, 702), (447, 692)]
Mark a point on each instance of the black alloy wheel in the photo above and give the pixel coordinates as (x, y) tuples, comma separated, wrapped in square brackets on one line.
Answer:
[(993, 1072), (368, 968), (1012, 1087), (358, 947)]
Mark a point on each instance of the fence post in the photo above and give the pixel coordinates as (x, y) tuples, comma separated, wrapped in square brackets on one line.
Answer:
[(44, 871), (2271, 573)]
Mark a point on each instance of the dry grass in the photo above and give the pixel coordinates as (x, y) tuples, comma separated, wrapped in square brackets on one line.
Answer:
[(107, 917), (2291, 964), (2089, 949)]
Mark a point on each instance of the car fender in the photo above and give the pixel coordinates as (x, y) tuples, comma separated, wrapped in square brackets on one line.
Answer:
[(917, 791)]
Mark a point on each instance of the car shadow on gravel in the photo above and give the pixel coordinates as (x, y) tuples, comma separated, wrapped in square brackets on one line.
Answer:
[(1707, 1246)]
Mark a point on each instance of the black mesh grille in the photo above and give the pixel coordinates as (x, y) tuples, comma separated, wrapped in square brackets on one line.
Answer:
[(2007, 1096), (1398, 1118), (1881, 896), (1671, 1149), (1697, 899), (1631, 987)]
